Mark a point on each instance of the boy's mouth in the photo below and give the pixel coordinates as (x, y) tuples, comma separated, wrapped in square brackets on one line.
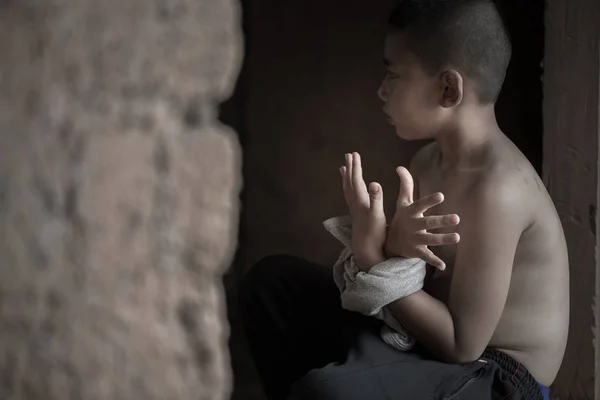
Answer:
[(387, 116)]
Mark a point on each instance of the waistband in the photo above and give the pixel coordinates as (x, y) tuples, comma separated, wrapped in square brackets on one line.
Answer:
[(526, 383)]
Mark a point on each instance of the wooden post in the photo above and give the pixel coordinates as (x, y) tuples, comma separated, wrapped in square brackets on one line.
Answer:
[(571, 87)]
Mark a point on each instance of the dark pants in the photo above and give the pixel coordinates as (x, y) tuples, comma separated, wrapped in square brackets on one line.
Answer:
[(306, 346)]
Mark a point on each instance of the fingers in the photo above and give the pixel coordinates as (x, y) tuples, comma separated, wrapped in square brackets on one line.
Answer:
[(407, 187), (437, 221), (343, 173), (376, 198), (354, 186), (425, 203), (437, 239), (358, 183), (349, 171), (357, 175), (431, 259)]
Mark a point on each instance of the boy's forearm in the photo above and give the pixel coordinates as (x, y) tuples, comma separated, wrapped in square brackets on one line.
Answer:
[(432, 325), (366, 260)]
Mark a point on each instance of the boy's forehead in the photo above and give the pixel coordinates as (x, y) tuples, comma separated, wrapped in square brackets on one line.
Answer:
[(396, 50)]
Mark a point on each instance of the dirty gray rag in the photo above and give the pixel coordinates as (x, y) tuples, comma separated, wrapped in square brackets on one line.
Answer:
[(369, 292)]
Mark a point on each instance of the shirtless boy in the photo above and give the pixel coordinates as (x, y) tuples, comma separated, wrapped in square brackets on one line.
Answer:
[(492, 319)]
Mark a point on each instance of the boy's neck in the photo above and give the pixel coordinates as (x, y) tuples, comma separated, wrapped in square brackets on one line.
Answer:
[(462, 146)]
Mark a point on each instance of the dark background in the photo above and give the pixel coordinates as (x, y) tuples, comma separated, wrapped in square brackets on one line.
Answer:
[(306, 96)]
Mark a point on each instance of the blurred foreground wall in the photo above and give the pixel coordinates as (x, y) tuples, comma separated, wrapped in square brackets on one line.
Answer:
[(118, 198)]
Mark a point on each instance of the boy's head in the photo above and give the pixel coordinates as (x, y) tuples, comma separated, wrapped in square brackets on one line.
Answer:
[(445, 59)]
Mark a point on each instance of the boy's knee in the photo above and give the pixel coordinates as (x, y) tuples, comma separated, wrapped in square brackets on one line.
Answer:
[(264, 272), (267, 263), (262, 283)]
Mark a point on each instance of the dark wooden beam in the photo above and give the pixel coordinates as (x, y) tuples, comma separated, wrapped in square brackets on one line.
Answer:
[(570, 168)]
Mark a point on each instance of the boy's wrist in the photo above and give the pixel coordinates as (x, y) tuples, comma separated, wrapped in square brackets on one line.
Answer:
[(366, 260)]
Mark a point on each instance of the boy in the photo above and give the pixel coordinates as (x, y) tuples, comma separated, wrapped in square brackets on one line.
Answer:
[(492, 321)]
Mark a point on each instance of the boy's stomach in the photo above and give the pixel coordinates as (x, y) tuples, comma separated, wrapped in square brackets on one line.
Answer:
[(533, 326)]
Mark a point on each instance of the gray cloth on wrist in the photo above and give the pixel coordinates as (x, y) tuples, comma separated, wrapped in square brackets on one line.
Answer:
[(369, 292)]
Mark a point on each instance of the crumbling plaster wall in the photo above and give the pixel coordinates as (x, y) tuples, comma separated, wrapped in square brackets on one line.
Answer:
[(118, 197)]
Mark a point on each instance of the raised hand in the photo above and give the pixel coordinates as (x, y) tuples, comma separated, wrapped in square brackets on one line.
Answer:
[(407, 234), (366, 210)]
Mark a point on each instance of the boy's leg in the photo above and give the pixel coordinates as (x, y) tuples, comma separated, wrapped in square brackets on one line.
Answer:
[(377, 371), (306, 346), (374, 370), (302, 339), (293, 320)]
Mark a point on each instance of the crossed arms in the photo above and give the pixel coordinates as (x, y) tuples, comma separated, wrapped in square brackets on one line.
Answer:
[(491, 224)]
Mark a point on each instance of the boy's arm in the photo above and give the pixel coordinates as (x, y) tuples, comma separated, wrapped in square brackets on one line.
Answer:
[(492, 222)]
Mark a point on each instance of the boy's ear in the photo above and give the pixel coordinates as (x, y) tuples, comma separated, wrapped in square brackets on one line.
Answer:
[(452, 88)]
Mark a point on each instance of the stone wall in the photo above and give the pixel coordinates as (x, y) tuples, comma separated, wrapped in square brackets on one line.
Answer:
[(118, 198)]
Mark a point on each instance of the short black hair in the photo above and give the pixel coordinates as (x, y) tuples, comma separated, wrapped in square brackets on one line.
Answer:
[(467, 34)]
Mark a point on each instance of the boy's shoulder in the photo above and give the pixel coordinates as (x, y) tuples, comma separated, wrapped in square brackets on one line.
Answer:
[(505, 180), (507, 185)]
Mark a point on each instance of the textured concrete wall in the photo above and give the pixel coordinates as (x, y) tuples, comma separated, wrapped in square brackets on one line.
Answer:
[(118, 198), (571, 87)]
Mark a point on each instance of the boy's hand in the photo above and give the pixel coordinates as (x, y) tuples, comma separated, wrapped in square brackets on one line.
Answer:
[(366, 211), (407, 235)]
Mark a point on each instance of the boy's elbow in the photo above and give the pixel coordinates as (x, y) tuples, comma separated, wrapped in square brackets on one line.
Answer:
[(465, 357), (467, 353), (466, 346)]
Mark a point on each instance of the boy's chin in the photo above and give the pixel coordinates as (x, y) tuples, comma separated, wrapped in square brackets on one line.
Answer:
[(405, 134)]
